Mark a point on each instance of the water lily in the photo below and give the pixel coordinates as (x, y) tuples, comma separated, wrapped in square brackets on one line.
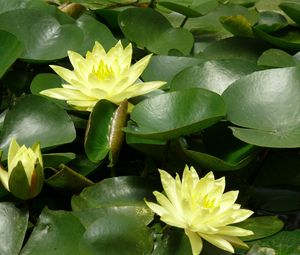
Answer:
[(101, 75), (25, 176), (202, 209)]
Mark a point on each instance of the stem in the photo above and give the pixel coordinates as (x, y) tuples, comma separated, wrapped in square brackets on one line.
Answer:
[(184, 21)]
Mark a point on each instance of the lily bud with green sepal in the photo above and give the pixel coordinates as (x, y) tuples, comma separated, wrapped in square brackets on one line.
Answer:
[(25, 175)]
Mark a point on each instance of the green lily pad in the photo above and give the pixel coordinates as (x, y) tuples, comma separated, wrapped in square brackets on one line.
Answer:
[(111, 192), (164, 68), (44, 81), (57, 232), (283, 243), (13, 222), (33, 119), (116, 234), (270, 22), (277, 58), (43, 37), (261, 104), (214, 75), (190, 8), (236, 48), (55, 159), (93, 31), (148, 28), (68, 179), (10, 50), (262, 227), (292, 9), (287, 39), (97, 137), (176, 113)]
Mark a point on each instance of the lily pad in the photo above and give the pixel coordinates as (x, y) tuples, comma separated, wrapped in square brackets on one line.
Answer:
[(265, 106), (116, 234), (176, 113), (262, 227), (164, 68), (13, 222), (57, 232), (214, 75), (43, 37), (277, 58), (10, 49), (33, 119), (148, 28), (283, 243)]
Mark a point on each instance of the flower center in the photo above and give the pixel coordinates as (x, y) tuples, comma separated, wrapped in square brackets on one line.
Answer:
[(104, 71)]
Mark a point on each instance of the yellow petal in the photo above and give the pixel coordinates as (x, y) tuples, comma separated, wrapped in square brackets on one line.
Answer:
[(219, 241), (4, 178), (236, 241), (142, 88), (12, 151), (65, 94), (195, 240), (159, 210), (64, 73), (138, 68), (169, 186), (234, 231)]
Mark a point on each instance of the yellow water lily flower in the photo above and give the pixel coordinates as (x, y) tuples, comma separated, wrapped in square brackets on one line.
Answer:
[(25, 176), (202, 209), (101, 75)]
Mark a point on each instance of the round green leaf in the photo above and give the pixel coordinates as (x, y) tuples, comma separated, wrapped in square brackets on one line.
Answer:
[(13, 225), (266, 104), (262, 226), (44, 81), (287, 39), (43, 37), (11, 5), (55, 159), (270, 21), (185, 10), (97, 137), (94, 31), (164, 68), (236, 48), (214, 75), (35, 118), (90, 215), (209, 24), (277, 58), (56, 233), (283, 243), (67, 179), (177, 113), (116, 234), (148, 28), (292, 10), (10, 50), (117, 191)]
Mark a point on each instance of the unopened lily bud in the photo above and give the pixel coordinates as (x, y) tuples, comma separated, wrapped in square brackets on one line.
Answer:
[(25, 176)]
